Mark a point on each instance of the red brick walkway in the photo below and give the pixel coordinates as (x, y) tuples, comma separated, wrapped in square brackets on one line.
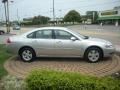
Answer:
[(105, 67)]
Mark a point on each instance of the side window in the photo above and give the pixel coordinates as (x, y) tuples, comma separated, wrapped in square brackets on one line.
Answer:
[(59, 34), (39, 34), (31, 35), (44, 34)]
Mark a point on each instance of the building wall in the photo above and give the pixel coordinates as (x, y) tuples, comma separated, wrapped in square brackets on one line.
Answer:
[(110, 16), (111, 12), (118, 9)]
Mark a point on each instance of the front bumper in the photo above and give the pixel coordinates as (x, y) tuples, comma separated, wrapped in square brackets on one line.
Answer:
[(108, 52)]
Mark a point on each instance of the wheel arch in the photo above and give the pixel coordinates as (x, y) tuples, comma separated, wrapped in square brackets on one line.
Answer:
[(26, 47), (95, 47)]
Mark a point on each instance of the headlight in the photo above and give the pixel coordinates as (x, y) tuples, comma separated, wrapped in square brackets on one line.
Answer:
[(108, 45)]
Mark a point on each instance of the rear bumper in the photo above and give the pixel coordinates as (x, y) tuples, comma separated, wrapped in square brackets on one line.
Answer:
[(12, 49)]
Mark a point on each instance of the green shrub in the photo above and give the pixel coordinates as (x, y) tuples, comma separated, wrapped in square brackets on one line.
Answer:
[(12, 83), (3, 57), (53, 80)]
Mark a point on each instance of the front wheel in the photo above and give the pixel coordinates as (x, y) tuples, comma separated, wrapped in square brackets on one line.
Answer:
[(93, 54), (27, 54)]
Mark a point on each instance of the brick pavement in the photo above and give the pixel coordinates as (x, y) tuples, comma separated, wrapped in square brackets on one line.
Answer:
[(105, 67)]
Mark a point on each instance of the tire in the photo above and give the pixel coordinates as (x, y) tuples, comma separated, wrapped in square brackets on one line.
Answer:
[(93, 54), (27, 54)]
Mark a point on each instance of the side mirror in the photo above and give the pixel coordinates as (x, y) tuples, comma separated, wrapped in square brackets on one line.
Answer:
[(73, 38)]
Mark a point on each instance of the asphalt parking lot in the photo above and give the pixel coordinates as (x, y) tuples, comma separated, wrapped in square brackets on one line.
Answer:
[(110, 33)]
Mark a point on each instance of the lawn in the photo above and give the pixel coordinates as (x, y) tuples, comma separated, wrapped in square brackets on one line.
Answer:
[(3, 57)]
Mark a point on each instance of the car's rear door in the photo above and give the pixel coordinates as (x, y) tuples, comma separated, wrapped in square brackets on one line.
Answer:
[(44, 42)]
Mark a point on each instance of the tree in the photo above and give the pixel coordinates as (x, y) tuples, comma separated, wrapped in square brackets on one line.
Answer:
[(93, 15), (83, 18), (36, 20), (40, 20), (72, 16)]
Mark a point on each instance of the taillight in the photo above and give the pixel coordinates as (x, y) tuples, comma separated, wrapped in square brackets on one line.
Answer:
[(8, 40)]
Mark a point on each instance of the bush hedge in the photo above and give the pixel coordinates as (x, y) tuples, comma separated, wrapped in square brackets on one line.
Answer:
[(54, 80)]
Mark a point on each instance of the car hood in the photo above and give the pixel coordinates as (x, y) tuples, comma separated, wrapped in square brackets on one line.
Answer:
[(98, 40)]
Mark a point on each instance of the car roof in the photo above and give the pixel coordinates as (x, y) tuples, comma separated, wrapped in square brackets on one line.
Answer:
[(52, 28)]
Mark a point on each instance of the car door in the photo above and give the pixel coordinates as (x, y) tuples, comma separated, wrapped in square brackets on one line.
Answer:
[(64, 46), (44, 42)]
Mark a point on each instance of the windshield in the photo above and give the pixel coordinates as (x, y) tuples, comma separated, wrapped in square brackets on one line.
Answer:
[(80, 35)]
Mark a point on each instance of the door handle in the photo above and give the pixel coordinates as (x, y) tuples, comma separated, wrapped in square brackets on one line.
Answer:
[(59, 42), (34, 41)]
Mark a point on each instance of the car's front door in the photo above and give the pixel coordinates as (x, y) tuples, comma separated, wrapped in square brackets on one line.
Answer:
[(64, 46)]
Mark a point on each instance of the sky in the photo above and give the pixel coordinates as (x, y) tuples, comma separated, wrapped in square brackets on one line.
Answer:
[(29, 8)]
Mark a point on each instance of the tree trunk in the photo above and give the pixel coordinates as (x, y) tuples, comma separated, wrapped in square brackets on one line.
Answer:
[(73, 22)]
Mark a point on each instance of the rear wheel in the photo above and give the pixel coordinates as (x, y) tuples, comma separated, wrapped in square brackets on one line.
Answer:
[(93, 54), (27, 54)]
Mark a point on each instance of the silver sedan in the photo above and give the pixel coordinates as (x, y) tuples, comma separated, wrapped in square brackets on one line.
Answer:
[(58, 42)]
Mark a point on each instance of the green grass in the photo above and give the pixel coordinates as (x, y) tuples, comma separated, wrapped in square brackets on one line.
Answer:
[(57, 80), (3, 57)]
